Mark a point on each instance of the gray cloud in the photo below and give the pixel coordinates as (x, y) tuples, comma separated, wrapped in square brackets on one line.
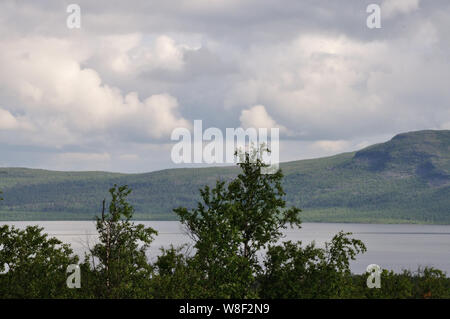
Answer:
[(108, 95)]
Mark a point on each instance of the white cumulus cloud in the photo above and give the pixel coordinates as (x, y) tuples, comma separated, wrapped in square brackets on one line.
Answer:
[(60, 98), (257, 117)]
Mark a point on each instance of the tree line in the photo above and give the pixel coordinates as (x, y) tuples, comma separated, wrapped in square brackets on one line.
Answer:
[(231, 226)]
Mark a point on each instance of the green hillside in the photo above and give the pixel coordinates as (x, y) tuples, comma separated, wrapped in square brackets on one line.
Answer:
[(406, 179)]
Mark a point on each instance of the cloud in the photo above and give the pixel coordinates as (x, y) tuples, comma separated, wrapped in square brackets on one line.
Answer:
[(7, 121), (327, 86), (10, 122), (76, 157), (131, 74), (392, 8), (129, 157), (56, 95), (257, 117), (81, 161), (127, 54), (332, 146)]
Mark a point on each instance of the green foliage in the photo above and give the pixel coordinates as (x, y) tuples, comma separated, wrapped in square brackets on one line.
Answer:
[(426, 283), (431, 283), (293, 271), (33, 265), (176, 276), (393, 285), (120, 267), (233, 223)]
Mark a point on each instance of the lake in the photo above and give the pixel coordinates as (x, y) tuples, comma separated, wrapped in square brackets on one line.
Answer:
[(394, 247)]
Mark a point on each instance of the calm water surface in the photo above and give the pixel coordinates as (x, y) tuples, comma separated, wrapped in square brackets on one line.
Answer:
[(393, 247)]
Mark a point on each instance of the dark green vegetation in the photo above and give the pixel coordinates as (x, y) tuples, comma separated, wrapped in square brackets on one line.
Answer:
[(231, 224), (405, 180)]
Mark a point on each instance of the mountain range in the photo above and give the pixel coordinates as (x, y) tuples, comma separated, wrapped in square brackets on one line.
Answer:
[(404, 180)]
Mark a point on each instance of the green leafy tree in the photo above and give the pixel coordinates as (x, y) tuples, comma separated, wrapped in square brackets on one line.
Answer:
[(32, 265), (425, 283), (294, 271), (176, 276), (431, 283), (393, 285), (120, 267), (234, 222)]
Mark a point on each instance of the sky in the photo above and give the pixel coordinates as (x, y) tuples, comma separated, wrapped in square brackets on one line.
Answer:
[(107, 95)]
